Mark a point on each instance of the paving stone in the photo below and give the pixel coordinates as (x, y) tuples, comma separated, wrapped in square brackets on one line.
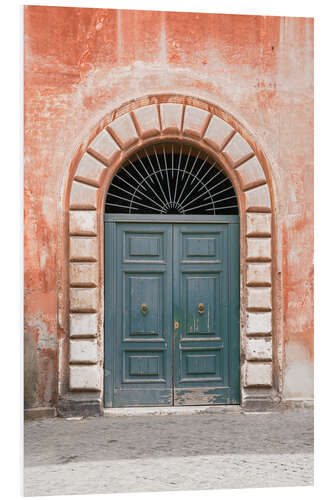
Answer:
[(173, 452)]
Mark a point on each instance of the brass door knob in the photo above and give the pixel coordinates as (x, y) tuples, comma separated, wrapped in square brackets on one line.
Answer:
[(144, 309), (201, 308)]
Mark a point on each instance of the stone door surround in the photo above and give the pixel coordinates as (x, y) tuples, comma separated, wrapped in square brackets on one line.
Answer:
[(144, 121)]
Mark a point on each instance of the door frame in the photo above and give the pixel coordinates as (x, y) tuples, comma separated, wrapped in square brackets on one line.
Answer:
[(110, 311), (120, 132)]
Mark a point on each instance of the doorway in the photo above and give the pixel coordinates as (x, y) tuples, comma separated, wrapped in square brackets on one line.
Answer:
[(171, 281), (172, 310)]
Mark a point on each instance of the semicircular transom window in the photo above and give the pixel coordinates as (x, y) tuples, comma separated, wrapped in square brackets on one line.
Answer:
[(171, 178)]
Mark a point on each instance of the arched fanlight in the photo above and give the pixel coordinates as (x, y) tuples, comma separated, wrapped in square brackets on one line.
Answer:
[(171, 178)]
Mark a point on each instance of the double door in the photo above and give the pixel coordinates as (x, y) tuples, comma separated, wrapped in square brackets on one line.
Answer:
[(171, 311)]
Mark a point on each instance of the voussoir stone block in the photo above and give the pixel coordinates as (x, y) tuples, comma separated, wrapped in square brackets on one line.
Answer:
[(259, 274), (83, 299), (259, 298), (124, 131), (258, 199), (171, 117), (250, 173), (147, 121), (258, 249), (259, 323), (90, 170), (83, 248), (83, 222), (83, 196), (259, 349), (217, 133), (82, 325), (237, 149), (195, 121), (83, 351), (258, 224), (85, 377), (83, 274), (105, 147), (258, 374)]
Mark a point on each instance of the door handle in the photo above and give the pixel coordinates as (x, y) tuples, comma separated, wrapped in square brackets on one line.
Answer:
[(201, 308), (144, 309)]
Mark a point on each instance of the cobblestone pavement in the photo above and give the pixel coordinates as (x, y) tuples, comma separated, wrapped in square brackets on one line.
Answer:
[(169, 452)]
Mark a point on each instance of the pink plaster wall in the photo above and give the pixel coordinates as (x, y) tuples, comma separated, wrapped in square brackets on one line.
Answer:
[(80, 64)]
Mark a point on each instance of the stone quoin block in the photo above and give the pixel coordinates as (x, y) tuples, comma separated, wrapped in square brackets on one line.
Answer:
[(83, 299), (259, 298), (83, 248), (83, 196), (171, 118), (83, 222), (259, 323), (258, 374), (258, 249), (147, 121), (195, 121), (250, 173), (258, 199), (82, 325), (259, 274), (124, 131), (84, 378), (83, 274), (237, 149), (258, 224), (217, 133), (105, 147), (259, 349), (90, 170), (83, 351)]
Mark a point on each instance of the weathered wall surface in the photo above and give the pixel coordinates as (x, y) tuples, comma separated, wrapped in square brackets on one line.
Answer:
[(80, 64)]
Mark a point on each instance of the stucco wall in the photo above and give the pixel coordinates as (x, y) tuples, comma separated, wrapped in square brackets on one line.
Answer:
[(80, 64)]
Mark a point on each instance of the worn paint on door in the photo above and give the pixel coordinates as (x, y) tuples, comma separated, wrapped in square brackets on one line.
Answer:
[(171, 313)]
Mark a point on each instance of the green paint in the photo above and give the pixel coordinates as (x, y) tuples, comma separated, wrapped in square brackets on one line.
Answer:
[(162, 270)]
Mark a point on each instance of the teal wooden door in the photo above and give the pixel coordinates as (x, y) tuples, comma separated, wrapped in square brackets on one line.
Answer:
[(206, 311), (171, 311)]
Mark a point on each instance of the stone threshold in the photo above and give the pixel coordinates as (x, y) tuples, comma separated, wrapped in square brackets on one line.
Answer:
[(169, 410)]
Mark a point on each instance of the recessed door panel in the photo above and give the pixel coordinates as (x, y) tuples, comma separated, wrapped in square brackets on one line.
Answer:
[(144, 246), (144, 366), (201, 303), (143, 305), (198, 247)]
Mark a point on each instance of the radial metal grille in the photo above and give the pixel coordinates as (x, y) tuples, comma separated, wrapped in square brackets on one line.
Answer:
[(171, 178)]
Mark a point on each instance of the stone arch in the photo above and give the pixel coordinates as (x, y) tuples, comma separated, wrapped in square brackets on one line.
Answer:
[(139, 122)]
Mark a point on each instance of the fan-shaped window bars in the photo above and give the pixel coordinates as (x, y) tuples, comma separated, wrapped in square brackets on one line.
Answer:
[(171, 178)]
